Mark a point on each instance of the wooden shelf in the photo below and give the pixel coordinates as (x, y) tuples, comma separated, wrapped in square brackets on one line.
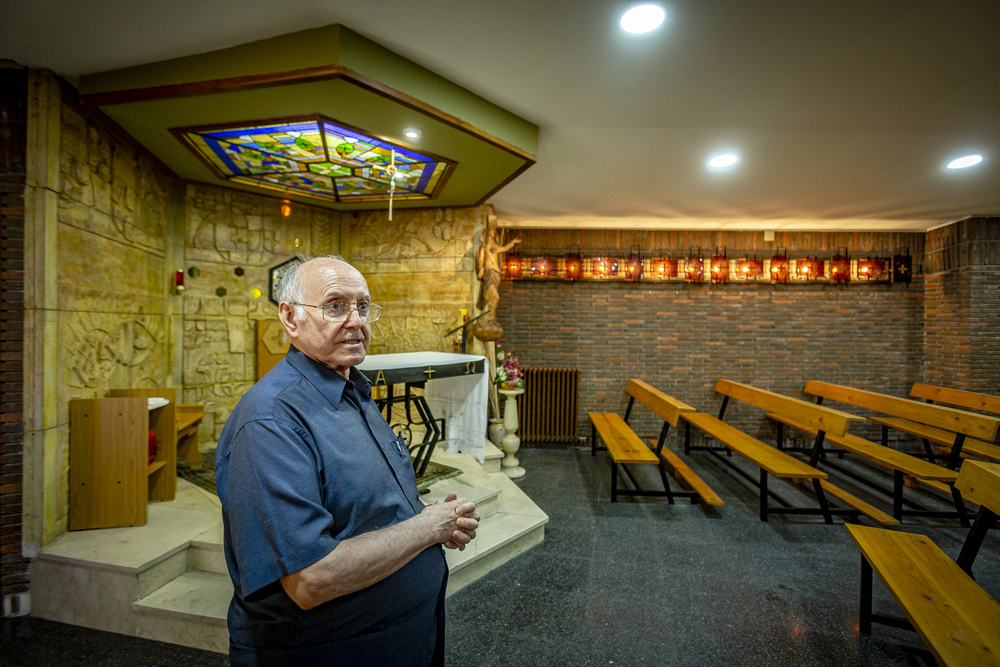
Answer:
[(162, 422), (154, 466)]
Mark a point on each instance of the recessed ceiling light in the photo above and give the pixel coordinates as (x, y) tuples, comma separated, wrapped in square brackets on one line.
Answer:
[(723, 161), (963, 162), (643, 18), (411, 132)]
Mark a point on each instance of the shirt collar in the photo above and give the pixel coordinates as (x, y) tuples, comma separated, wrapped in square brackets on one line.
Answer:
[(327, 381)]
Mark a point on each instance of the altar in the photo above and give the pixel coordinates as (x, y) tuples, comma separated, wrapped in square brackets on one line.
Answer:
[(456, 396)]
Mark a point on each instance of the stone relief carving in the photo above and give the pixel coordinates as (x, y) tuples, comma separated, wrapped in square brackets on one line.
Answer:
[(124, 191), (323, 233), (94, 351), (417, 233), (233, 227)]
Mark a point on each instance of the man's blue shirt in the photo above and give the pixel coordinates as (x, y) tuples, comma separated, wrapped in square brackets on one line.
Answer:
[(306, 460)]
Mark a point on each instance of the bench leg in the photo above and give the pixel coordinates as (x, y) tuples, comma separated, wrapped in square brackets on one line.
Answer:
[(593, 440), (865, 622), (780, 436), (687, 438), (931, 456), (963, 514), (763, 495), (955, 458), (823, 505), (897, 495), (614, 482), (666, 484), (985, 520)]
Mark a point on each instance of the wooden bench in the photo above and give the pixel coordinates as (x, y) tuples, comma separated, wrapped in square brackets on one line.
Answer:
[(963, 424), (956, 619), (626, 448), (959, 421), (773, 462), (903, 466), (961, 398), (939, 438), (979, 481)]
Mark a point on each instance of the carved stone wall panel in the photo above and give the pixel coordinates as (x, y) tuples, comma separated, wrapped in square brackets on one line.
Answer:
[(87, 218), (213, 275), (262, 309), (103, 351), (415, 327), (430, 288), (93, 261), (325, 232), (232, 227), (420, 233), (124, 178), (87, 299), (462, 264), (108, 188)]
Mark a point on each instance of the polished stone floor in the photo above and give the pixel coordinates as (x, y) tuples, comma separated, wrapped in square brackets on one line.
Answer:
[(639, 582)]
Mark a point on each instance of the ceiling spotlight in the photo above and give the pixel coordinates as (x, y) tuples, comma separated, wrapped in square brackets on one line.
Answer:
[(411, 132), (963, 162), (723, 161), (643, 18)]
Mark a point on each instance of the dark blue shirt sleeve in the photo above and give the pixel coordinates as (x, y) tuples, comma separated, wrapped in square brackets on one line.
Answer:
[(277, 519)]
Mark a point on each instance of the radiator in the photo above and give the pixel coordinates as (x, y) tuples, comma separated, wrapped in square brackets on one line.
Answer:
[(548, 405)]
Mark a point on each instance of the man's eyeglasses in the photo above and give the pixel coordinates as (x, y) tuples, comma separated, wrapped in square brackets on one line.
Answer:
[(335, 311)]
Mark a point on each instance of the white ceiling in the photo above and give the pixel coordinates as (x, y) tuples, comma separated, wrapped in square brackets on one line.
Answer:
[(844, 112)]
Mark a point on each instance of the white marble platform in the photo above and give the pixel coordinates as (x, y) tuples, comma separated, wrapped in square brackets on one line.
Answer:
[(168, 580)]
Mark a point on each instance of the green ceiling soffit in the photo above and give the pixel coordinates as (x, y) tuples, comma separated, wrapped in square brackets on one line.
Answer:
[(373, 89)]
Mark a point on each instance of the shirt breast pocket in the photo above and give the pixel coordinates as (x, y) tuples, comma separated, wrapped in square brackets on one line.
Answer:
[(399, 445)]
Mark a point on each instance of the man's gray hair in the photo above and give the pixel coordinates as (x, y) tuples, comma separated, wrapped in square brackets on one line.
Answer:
[(290, 285)]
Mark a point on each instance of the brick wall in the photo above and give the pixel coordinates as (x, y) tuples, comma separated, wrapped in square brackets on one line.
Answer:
[(13, 130), (962, 306), (682, 338)]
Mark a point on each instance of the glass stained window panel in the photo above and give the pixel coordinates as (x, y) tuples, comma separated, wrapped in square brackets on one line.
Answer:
[(317, 157)]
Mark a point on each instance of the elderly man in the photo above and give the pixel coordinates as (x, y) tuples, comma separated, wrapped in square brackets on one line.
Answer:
[(335, 559)]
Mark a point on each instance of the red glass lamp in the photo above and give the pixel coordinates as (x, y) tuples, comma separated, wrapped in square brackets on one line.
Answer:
[(513, 266), (780, 267), (840, 267)]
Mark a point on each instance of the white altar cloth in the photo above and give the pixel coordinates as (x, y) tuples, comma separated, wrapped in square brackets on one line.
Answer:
[(461, 397)]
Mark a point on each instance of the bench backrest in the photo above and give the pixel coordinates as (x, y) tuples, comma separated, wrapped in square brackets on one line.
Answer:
[(963, 399), (821, 418), (665, 406), (950, 419), (979, 481)]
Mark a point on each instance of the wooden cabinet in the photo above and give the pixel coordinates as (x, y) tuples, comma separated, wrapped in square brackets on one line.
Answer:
[(110, 479)]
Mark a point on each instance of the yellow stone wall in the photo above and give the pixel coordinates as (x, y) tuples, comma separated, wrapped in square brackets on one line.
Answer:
[(421, 268), (225, 230), (112, 224)]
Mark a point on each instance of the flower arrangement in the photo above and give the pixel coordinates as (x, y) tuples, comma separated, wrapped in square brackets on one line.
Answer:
[(509, 374)]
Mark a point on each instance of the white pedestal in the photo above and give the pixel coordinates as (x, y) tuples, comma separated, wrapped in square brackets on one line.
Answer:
[(511, 442)]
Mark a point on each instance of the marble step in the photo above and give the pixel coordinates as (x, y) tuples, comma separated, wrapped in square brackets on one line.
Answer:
[(494, 455), (517, 526), (206, 553), (190, 611)]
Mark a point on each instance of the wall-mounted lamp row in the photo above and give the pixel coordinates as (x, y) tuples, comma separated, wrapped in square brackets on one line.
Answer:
[(717, 268)]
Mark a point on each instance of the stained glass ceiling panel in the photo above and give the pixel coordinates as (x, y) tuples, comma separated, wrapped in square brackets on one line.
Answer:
[(317, 157)]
